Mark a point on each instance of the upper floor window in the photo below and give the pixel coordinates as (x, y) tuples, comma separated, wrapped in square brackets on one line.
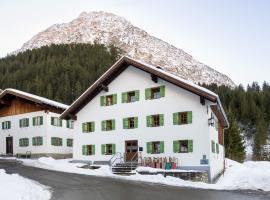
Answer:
[(56, 121), (6, 125), (155, 120), (88, 150), (24, 142), (108, 125), (70, 124), (180, 118), (69, 142), (183, 146), (88, 127), (156, 147), (37, 121), (108, 100), (56, 141), (108, 149), (213, 146), (132, 96), (37, 141), (155, 93), (24, 122), (130, 122)]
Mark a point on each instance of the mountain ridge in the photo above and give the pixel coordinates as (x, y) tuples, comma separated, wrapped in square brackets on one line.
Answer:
[(110, 29)]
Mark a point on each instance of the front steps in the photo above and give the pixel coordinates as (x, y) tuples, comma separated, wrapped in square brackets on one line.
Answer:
[(124, 169)]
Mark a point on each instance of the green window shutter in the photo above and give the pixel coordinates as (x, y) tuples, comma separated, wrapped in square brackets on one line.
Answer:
[(103, 125), (113, 148), (149, 147), (93, 149), (20, 123), (34, 120), (190, 146), (9, 123), (3, 126), (20, 142), (27, 122), (52, 121), (83, 129), (61, 142), (125, 123), (114, 99), (176, 146), (41, 120), (161, 146), (33, 142), (113, 124), (124, 97), (52, 141), (175, 118), (92, 126), (83, 149), (217, 148), (161, 120), (189, 117), (137, 95), (213, 146), (103, 149), (148, 121), (147, 93), (61, 122), (102, 100), (136, 122), (162, 91)]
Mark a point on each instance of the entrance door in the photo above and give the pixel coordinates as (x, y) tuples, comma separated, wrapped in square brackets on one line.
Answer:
[(9, 145), (131, 150)]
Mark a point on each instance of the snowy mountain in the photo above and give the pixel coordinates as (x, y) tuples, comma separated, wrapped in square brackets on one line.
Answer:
[(107, 28)]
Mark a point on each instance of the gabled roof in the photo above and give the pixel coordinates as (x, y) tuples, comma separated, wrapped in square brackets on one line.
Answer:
[(33, 98), (120, 66)]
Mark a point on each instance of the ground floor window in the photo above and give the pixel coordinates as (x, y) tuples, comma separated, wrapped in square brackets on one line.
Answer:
[(108, 149), (183, 146), (69, 142), (88, 150), (37, 141), (155, 147), (56, 141), (24, 142)]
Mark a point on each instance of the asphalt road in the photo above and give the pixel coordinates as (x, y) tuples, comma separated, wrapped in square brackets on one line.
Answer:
[(66, 186)]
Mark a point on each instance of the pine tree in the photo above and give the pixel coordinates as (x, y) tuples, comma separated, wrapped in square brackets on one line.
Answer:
[(234, 143)]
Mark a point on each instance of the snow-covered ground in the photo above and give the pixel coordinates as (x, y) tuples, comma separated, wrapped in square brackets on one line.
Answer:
[(15, 187), (249, 175)]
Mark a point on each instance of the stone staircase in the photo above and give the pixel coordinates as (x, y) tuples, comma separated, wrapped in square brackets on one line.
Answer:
[(124, 168)]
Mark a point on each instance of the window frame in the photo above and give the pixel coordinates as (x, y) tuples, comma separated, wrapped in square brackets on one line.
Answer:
[(38, 141)]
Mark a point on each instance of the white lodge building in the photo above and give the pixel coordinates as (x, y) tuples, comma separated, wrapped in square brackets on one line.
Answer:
[(138, 107), (30, 125)]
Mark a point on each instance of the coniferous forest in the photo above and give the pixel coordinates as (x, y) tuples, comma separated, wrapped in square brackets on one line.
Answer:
[(63, 72)]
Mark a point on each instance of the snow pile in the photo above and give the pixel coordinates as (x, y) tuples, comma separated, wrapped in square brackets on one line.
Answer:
[(249, 175), (16, 187)]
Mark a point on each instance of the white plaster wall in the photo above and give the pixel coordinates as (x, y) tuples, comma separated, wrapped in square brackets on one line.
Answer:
[(46, 131), (175, 100)]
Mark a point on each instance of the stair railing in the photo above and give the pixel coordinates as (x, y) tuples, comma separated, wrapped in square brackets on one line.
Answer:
[(115, 157)]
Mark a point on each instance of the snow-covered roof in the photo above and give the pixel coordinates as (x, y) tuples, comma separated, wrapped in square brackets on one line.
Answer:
[(33, 97), (121, 65)]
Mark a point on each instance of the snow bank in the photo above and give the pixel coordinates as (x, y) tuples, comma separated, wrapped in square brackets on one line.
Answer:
[(16, 187), (249, 175)]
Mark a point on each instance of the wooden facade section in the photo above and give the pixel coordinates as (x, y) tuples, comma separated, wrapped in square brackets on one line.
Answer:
[(16, 105)]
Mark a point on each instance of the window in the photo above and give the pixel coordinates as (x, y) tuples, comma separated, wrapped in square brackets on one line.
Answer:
[(213, 146), (155, 120), (155, 93), (130, 122), (56, 141), (217, 148), (69, 142), (24, 122), (88, 127), (108, 149), (183, 146), (88, 150), (56, 121), (108, 100), (37, 121), (129, 97), (70, 124), (6, 125), (37, 141), (155, 147), (181, 118), (24, 142), (108, 125)]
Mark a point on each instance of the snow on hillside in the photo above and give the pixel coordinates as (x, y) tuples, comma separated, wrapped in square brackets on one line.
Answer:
[(16, 187), (107, 28), (249, 175)]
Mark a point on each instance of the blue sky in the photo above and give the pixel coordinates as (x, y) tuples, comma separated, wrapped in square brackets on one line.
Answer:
[(232, 36)]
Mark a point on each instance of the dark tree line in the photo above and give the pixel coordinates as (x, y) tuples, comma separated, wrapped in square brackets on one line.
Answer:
[(58, 72)]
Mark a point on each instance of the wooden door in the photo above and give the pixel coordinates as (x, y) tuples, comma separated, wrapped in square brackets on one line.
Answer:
[(9, 145), (131, 150)]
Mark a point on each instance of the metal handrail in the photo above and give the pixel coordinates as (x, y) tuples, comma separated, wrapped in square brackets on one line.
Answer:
[(27, 153), (115, 157)]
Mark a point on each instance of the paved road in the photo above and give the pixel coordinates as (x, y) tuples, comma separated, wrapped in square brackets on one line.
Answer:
[(67, 186)]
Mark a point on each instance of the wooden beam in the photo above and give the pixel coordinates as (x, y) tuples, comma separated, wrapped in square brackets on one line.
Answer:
[(154, 78), (105, 88)]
